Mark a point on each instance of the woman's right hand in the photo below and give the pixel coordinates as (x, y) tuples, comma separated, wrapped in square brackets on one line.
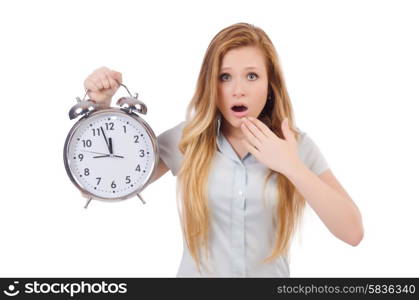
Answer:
[(102, 84)]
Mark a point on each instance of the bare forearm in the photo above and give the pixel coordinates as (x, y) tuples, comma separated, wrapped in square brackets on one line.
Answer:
[(338, 212), (160, 171)]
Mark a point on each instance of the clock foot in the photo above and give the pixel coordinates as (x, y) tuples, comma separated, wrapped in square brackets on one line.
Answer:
[(141, 198), (88, 201)]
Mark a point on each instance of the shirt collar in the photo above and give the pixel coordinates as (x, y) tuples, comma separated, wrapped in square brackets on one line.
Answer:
[(218, 123), (224, 145)]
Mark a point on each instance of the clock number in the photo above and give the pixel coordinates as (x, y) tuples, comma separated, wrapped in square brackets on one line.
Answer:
[(98, 180), (125, 129), (136, 137), (87, 143), (141, 153), (86, 172), (113, 185), (109, 126), (96, 130), (127, 180), (81, 157), (138, 168)]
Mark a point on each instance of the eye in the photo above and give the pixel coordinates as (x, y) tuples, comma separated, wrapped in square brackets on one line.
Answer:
[(252, 76), (224, 76)]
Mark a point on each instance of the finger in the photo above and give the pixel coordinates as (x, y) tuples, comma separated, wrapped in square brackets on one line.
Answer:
[(114, 84), (117, 76), (91, 85), (286, 130), (261, 126), (113, 78), (98, 83), (105, 82), (255, 130), (250, 137), (250, 148)]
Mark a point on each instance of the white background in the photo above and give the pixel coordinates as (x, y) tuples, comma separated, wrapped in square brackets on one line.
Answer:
[(351, 68)]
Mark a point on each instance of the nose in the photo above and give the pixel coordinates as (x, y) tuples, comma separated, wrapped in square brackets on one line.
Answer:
[(238, 89)]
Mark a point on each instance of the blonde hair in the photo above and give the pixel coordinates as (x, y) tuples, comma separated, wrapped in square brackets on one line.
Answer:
[(198, 141)]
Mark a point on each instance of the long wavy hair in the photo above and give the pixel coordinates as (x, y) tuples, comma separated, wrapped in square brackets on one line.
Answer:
[(198, 142)]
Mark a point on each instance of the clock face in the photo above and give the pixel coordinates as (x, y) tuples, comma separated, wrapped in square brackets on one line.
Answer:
[(110, 155)]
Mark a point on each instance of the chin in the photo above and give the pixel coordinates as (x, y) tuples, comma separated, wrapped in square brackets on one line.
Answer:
[(235, 123)]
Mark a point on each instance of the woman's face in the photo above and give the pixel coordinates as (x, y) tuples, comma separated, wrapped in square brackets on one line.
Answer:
[(242, 84)]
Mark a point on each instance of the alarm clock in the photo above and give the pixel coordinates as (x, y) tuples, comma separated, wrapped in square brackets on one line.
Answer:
[(110, 154)]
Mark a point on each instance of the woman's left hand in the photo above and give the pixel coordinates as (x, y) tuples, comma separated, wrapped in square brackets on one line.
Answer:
[(280, 155)]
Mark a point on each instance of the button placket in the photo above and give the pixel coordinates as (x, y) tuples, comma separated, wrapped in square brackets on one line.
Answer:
[(239, 260)]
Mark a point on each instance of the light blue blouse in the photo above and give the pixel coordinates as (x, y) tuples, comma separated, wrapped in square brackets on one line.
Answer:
[(242, 224)]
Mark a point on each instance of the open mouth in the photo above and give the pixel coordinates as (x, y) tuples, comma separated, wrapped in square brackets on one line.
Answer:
[(239, 108)]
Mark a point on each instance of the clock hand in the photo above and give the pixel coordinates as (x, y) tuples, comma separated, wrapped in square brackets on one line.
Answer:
[(94, 152), (106, 140), (102, 154), (106, 155), (110, 145)]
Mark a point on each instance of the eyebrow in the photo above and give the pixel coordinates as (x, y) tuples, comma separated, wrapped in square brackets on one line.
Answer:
[(247, 68)]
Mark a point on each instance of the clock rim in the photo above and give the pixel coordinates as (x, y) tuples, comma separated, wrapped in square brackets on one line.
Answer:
[(85, 119)]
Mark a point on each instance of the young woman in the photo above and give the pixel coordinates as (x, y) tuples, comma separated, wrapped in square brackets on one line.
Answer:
[(244, 170)]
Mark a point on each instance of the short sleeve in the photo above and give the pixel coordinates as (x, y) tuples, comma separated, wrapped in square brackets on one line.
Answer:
[(168, 143), (311, 154)]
